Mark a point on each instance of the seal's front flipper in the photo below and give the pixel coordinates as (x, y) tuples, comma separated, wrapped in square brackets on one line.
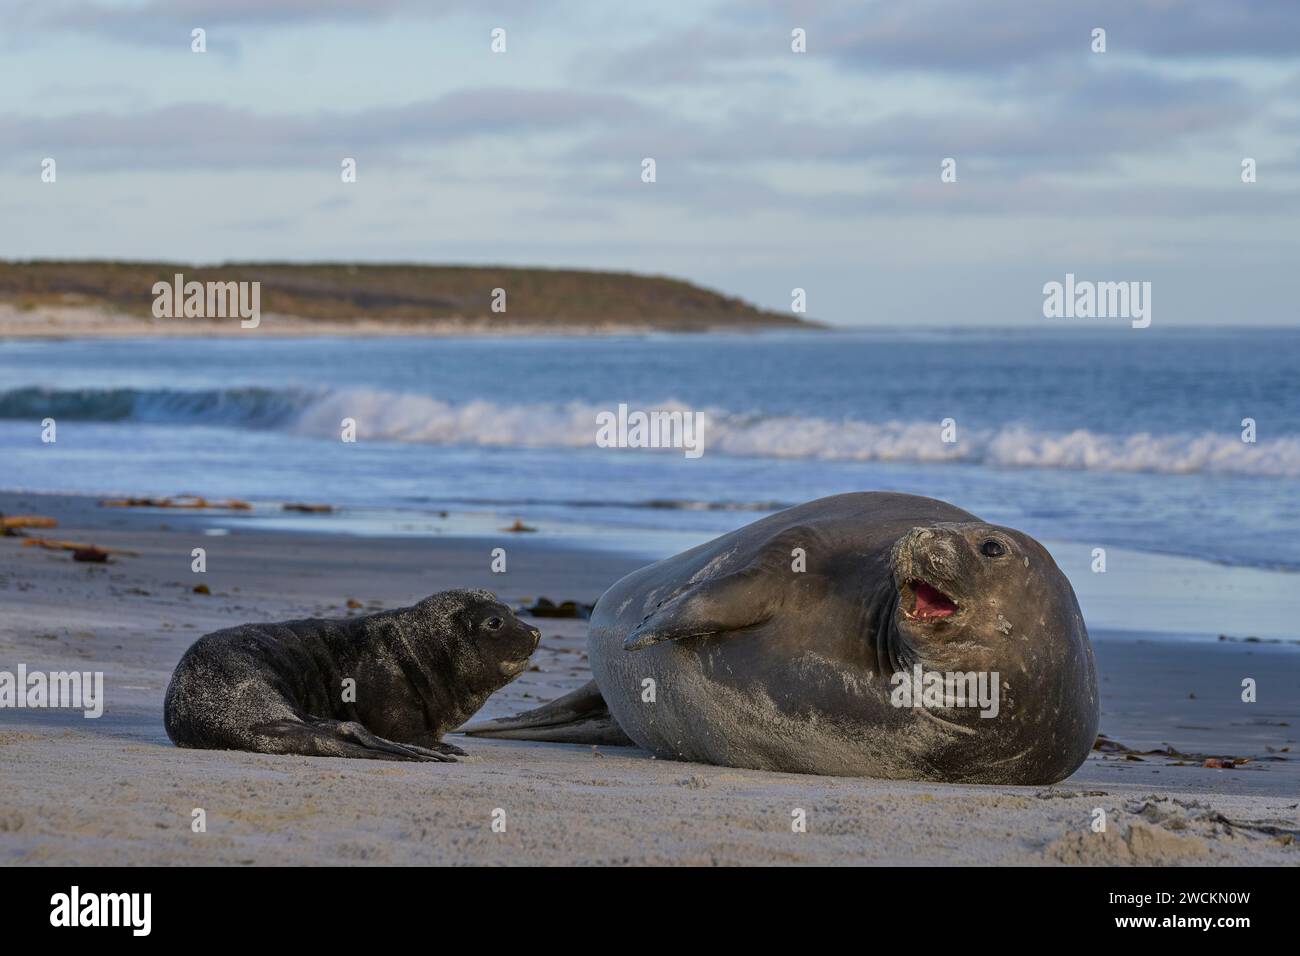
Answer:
[(580, 717), (729, 603), (335, 738)]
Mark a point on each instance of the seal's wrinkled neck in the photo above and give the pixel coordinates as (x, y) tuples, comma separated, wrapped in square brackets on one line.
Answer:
[(882, 608)]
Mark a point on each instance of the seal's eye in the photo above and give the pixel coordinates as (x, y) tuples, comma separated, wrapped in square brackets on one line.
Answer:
[(992, 549), (494, 624)]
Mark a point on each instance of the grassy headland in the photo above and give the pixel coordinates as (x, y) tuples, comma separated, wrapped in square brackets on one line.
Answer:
[(406, 295)]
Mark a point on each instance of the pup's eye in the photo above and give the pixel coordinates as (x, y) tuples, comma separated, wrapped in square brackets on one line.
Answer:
[(992, 549), (494, 623)]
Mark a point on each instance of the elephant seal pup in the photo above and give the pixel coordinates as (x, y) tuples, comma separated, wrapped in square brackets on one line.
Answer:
[(872, 634), (283, 688)]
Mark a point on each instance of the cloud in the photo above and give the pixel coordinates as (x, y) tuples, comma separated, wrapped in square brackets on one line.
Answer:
[(212, 136), (996, 36), (164, 21), (706, 196), (953, 36), (690, 56), (1085, 121)]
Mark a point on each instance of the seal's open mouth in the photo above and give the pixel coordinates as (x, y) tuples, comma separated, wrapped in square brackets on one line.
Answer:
[(927, 603)]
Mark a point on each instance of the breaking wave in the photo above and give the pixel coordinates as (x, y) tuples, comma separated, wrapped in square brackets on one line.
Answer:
[(247, 407), (404, 417)]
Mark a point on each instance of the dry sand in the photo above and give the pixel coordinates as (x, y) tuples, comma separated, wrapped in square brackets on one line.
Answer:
[(115, 791)]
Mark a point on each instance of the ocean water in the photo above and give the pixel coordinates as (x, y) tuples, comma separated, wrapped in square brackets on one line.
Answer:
[(1114, 438)]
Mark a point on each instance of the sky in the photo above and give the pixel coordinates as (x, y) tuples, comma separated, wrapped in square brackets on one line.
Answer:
[(775, 170)]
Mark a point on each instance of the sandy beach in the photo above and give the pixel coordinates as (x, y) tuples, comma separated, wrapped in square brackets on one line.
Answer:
[(114, 790), (94, 322), (76, 321)]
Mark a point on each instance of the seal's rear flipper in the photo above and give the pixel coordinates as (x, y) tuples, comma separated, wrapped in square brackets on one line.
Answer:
[(335, 738), (580, 717)]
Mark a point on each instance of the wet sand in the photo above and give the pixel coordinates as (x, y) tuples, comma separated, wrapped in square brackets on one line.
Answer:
[(114, 790)]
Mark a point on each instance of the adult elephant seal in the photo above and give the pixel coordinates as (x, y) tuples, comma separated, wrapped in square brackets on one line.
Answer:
[(810, 641), (384, 687)]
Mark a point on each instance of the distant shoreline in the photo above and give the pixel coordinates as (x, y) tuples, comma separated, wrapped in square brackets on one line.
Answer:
[(86, 322), (102, 299)]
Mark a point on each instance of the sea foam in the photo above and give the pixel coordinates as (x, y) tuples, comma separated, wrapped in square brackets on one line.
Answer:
[(411, 417)]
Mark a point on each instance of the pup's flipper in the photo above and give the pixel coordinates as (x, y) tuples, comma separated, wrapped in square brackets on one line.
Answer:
[(335, 738), (580, 717)]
